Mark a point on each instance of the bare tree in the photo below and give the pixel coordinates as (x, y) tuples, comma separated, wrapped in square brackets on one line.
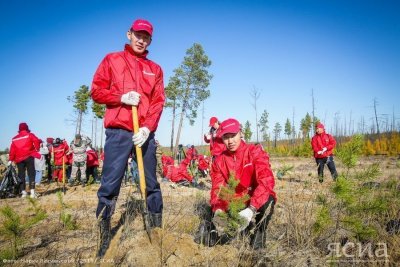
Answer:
[(376, 115), (255, 94), (313, 110)]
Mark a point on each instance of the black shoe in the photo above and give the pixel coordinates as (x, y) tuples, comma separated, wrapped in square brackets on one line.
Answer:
[(155, 220), (105, 237), (258, 240), (321, 179), (206, 235)]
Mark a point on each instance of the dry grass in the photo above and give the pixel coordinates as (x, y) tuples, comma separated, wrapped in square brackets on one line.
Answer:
[(291, 241)]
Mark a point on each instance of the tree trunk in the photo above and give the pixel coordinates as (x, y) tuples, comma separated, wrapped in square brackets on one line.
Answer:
[(178, 134), (173, 128), (79, 122), (91, 136), (101, 137), (376, 117), (95, 132), (202, 125)]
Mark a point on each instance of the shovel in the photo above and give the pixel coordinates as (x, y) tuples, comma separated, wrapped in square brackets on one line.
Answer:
[(142, 179), (63, 174)]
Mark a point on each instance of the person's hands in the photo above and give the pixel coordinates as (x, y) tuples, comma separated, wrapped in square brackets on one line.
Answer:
[(320, 152), (141, 136), (9, 163), (131, 98), (247, 215), (218, 222), (324, 149), (207, 136)]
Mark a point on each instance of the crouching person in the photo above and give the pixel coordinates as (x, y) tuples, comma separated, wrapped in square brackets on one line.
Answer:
[(250, 165)]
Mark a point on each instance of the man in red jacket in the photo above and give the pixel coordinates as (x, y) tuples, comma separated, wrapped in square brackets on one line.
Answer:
[(24, 148), (212, 138), (59, 152), (323, 145), (250, 164), (122, 80)]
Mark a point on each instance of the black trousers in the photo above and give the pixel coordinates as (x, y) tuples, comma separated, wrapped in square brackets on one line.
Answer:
[(331, 166), (23, 166), (49, 167), (92, 171), (117, 148)]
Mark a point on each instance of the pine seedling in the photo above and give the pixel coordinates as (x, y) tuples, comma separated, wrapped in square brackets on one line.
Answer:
[(236, 203), (13, 227), (283, 171), (67, 221), (351, 151)]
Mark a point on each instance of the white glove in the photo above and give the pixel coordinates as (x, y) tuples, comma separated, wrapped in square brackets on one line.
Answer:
[(9, 163), (247, 214), (320, 152), (131, 98), (208, 136), (141, 136), (324, 149)]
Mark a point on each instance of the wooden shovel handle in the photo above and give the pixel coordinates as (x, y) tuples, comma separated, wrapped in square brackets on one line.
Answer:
[(139, 156)]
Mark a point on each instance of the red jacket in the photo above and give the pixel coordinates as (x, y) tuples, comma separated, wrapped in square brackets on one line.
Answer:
[(120, 73), (24, 145), (217, 146), (176, 174), (319, 141), (204, 162), (168, 164), (191, 153), (59, 152), (92, 159), (250, 164)]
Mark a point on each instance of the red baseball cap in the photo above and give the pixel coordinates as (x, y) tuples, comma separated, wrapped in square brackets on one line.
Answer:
[(142, 25), (213, 120), (320, 125), (229, 126)]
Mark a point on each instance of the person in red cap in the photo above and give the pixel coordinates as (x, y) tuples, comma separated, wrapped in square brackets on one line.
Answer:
[(212, 138), (23, 151), (122, 80), (323, 145), (250, 164)]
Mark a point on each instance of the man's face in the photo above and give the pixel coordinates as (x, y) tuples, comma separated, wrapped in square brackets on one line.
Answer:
[(231, 141), (320, 130), (216, 125), (139, 41)]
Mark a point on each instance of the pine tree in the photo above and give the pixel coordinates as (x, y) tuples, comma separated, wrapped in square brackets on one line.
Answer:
[(236, 203)]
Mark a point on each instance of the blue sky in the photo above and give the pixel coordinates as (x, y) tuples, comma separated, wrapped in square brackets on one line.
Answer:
[(346, 51)]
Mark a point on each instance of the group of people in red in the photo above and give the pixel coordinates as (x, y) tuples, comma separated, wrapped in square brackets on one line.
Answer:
[(27, 151), (143, 91), (180, 174)]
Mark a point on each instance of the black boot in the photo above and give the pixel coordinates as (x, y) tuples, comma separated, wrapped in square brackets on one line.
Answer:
[(206, 235), (105, 237), (155, 220), (258, 239)]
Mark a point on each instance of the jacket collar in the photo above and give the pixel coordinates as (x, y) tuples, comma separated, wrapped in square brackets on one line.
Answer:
[(129, 49)]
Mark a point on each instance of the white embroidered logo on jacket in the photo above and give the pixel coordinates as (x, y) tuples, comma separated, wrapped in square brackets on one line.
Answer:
[(148, 73)]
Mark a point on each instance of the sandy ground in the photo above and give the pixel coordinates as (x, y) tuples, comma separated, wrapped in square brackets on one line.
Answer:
[(48, 243)]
